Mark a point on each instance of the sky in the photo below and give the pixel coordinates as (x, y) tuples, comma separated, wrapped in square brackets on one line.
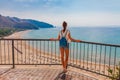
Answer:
[(76, 12)]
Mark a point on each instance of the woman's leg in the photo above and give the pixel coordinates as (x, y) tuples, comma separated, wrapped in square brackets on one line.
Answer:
[(66, 57), (62, 56)]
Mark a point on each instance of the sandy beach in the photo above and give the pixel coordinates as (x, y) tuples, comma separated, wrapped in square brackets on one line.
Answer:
[(17, 35)]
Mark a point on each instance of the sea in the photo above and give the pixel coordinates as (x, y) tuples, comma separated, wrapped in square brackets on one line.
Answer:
[(110, 35), (107, 35)]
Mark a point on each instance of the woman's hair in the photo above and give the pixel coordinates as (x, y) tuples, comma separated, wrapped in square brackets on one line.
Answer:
[(64, 23)]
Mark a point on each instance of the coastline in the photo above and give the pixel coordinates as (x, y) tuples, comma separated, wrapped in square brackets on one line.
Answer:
[(17, 35)]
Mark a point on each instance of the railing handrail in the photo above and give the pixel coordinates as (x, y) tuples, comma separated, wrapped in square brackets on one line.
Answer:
[(97, 43), (106, 44)]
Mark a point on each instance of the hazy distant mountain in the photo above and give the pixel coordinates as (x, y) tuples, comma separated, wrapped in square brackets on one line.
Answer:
[(14, 22), (39, 24)]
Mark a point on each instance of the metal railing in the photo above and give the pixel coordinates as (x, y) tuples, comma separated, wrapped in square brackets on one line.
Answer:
[(94, 57), (90, 56)]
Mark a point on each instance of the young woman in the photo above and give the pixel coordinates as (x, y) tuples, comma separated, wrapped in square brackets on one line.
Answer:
[(64, 38)]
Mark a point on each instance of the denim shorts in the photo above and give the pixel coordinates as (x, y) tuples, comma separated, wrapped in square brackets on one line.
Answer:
[(62, 46)]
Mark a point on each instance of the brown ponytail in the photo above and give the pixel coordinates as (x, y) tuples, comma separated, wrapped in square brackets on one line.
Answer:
[(64, 25)]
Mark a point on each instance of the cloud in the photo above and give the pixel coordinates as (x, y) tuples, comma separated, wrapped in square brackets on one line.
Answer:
[(45, 1), (26, 1), (48, 3)]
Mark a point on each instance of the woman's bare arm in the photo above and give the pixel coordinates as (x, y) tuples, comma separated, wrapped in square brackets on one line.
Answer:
[(72, 39)]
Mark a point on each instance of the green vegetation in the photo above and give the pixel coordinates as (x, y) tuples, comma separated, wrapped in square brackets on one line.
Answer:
[(115, 75), (7, 31)]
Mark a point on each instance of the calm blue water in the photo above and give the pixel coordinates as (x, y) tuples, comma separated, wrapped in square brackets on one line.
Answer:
[(94, 34)]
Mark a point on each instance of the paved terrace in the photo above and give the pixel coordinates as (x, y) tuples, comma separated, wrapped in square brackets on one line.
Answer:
[(45, 72)]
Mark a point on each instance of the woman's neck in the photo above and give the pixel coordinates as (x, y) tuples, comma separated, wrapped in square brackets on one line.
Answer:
[(63, 30)]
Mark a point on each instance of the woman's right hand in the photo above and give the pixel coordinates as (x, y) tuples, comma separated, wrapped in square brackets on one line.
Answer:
[(51, 39)]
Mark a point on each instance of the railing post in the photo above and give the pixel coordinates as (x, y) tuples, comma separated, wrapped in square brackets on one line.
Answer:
[(13, 53), (119, 71)]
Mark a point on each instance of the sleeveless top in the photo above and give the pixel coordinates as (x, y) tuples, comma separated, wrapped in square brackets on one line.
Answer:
[(65, 34)]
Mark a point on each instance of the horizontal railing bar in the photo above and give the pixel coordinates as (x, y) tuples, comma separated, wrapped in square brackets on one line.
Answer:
[(6, 64), (27, 39), (38, 64), (31, 64), (89, 70), (106, 44)]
